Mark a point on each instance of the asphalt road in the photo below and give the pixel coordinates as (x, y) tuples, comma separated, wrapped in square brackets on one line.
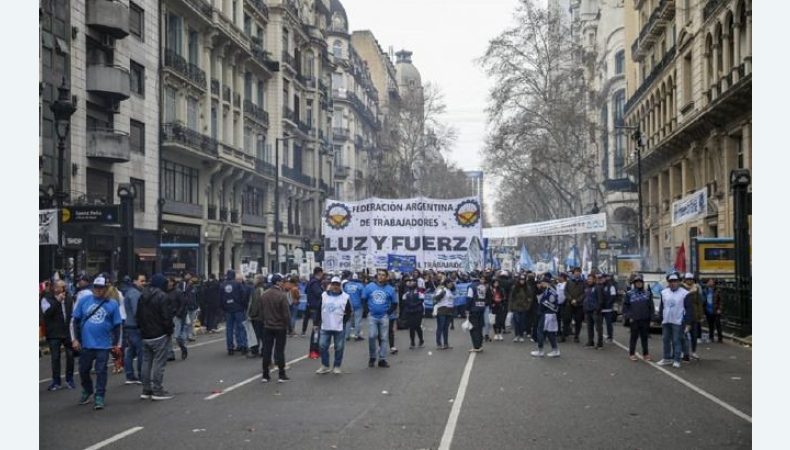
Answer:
[(584, 399)]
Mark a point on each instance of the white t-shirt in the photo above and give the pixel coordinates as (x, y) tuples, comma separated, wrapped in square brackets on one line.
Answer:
[(333, 307)]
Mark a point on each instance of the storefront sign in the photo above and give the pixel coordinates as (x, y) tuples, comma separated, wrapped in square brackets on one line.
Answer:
[(48, 227), (690, 207), (435, 232), (571, 225), (92, 214)]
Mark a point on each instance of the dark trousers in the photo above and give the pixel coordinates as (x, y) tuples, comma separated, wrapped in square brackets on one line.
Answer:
[(442, 330), (415, 327), (275, 339), (575, 314), (89, 357), (393, 329), (476, 318), (54, 352), (594, 319), (714, 321), (520, 323), (499, 322), (639, 329), (211, 316), (543, 334), (309, 314), (257, 327), (560, 317), (532, 323), (608, 318)]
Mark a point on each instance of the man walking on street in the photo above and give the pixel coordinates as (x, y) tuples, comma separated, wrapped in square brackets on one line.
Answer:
[(478, 298), (638, 308), (382, 301), (674, 307), (133, 343), (274, 307), (574, 310), (593, 303), (95, 329), (56, 308), (712, 299), (547, 317), (234, 305), (335, 312), (211, 300), (314, 292), (353, 287), (154, 318), (255, 316)]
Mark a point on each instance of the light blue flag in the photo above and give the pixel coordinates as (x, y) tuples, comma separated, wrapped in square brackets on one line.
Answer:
[(573, 259), (524, 261)]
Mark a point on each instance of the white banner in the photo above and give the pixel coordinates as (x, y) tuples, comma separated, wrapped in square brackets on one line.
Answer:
[(364, 233), (593, 223), (48, 227), (690, 207)]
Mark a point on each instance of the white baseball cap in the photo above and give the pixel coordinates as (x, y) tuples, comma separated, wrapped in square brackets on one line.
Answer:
[(688, 276), (100, 282), (335, 280)]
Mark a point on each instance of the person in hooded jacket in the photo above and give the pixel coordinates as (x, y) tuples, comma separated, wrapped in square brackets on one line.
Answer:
[(593, 303), (233, 303), (413, 310), (547, 308), (574, 309), (179, 304), (638, 307), (498, 308), (695, 321), (154, 318), (211, 299), (519, 306), (314, 290)]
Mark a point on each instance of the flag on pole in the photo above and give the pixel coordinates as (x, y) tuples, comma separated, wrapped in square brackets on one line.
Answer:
[(680, 259), (573, 258), (524, 260)]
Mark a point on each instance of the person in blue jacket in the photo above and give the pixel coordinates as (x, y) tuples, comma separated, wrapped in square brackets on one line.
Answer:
[(234, 303), (353, 287), (638, 307), (592, 305), (314, 291), (382, 301), (478, 298), (547, 309)]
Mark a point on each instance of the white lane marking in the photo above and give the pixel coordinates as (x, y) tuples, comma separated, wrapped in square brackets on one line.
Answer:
[(63, 375), (115, 438), (697, 389), (452, 421), (249, 380)]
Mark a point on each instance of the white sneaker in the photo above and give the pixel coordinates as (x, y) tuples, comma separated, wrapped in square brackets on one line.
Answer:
[(664, 362), (553, 354), (694, 356), (515, 339), (537, 353), (521, 339), (323, 370), (337, 371), (676, 365)]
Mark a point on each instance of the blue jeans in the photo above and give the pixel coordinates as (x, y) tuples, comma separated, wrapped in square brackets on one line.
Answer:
[(294, 312), (378, 326), (234, 322), (486, 321), (520, 323), (671, 335), (133, 348), (607, 318), (339, 341), (443, 330), (543, 334), (181, 332), (89, 357), (355, 329)]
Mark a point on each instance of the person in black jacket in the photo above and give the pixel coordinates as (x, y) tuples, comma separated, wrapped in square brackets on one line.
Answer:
[(314, 291), (155, 320), (234, 302), (638, 307), (210, 297), (413, 310), (56, 308), (478, 298), (176, 299)]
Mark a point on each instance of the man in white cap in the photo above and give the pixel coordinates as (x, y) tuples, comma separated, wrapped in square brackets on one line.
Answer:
[(335, 312), (674, 307), (95, 330)]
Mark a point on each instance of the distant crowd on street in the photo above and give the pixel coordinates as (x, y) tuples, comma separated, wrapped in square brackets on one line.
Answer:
[(132, 325)]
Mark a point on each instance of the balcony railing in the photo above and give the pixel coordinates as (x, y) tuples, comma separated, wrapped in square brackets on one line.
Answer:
[(234, 216), (341, 134), (215, 87), (226, 93), (296, 175), (255, 112), (212, 212), (263, 57), (237, 100), (303, 127), (288, 114), (203, 6), (223, 214), (651, 31), (185, 69), (650, 78), (259, 6), (179, 134), (358, 174), (287, 58), (342, 171), (261, 166)]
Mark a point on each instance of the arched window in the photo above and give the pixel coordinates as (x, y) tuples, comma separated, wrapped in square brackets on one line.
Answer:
[(337, 49), (619, 62)]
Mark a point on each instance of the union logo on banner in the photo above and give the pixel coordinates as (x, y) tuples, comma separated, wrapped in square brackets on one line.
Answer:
[(338, 216), (467, 214)]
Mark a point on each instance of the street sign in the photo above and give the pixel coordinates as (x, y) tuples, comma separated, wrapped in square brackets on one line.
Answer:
[(92, 214)]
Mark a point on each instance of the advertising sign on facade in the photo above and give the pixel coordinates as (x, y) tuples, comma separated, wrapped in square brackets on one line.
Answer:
[(437, 233), (48, 227), (690, 207)]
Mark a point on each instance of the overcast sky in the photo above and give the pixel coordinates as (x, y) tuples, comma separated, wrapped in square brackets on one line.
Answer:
[(446, 37)]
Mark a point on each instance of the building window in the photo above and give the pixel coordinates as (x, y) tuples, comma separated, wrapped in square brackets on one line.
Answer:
[(285, 40), (139, 199), (252, 201), (687, 70), (192, 44), (173, 36), (192, 113), (248, 140), (170, 104), (180, 183), (247, 25), (99, 186), (136, 21), (214, 106), (337, 49), (260, 94), (137, 136), (137, 78), (619, 62), (619, 107), (248, 86)]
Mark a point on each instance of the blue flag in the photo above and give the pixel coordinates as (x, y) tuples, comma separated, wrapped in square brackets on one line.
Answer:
[(524, 261)]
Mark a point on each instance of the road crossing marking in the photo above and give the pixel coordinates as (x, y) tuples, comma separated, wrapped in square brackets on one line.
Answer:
[(249, 380), (115, 438), (697, 389), (452, 421), (63, 375)]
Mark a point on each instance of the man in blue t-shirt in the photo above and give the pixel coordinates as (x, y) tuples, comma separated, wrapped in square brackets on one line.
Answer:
[(353, 287), (382, 301), (95, 330)]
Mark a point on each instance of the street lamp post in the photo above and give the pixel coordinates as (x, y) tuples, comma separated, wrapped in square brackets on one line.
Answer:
[(127, 193), (63, 109), (639, 138), (277, 197), (739, 183)]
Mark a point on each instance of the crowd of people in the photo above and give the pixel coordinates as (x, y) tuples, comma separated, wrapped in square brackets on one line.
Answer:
[(136, 323)]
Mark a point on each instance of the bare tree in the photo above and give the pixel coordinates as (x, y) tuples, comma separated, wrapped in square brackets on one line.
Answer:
[(540, 129)]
